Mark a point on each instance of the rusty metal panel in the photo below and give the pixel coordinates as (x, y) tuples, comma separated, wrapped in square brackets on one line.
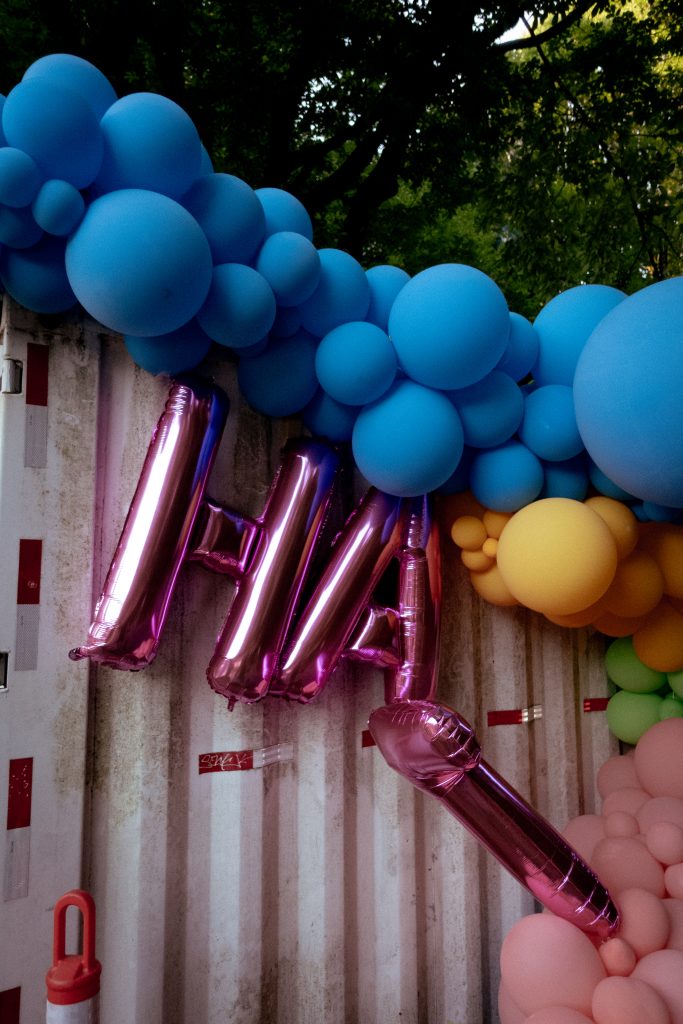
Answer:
[(320, 888)]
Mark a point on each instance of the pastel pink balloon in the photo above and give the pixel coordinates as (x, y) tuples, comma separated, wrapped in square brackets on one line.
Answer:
[(660, 808), (617, 956), (674, 909), (629, 799), (546, 961), (664, 840), (558, 1015), (508, 1011), (673, 880), (663, 970), (625, 863), (628, 1001), (584, 832), (621, 823), (616, 773), (659, 758), (645, 924)]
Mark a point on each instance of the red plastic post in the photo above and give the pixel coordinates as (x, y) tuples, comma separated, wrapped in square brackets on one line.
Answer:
[(73, 977)]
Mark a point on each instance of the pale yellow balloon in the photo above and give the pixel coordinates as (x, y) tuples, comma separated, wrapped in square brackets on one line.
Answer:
[(491, 586), (557, 556), (468, 532), (621, 521), (476, 561), (495, 522)]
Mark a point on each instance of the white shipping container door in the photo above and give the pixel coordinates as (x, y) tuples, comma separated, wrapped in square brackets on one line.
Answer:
[(323, 888)]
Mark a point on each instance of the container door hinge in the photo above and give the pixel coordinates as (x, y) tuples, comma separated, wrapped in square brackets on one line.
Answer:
[(11, 374)]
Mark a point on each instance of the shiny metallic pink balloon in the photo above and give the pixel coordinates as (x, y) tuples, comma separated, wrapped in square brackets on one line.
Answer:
[(436, 750), (131, 612)]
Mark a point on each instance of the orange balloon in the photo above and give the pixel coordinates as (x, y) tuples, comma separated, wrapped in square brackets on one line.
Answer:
[(659, 642), (491, 586), (495, 522), (664, 541), (637, 586), (468, 532), (621, 521), (614, 625), (585, 617)]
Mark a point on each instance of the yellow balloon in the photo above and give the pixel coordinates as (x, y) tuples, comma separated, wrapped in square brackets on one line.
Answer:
[(476, 561), (637, 586), (557, 556), (491, 586), (659, 642), (468, 532), (621, 521), (584, 617), (495, 522), (664, 541)]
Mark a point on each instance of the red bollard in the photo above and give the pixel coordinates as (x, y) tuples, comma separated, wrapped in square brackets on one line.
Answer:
[(73, 981)]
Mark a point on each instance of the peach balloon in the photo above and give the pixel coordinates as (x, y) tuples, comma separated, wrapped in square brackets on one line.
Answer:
[(659, 758), (546, 961), (621, 823), (617, 772), (617, 956), (637, 586), (645, 924), (628, 1001), (664, 840), (629, 799), (492, 587), (674, 909), (508, 1011), (663, 970), (558, 1015), (620, 520), (625, 863), (584, 832), (660, 808), (659, 642), (673, 880)]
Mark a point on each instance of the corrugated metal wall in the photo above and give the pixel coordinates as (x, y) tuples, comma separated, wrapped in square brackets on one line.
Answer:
[(324, 888)]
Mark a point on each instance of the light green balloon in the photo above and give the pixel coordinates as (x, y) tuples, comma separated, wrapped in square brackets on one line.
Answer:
[(671, 707), (625, 668), (676, 682), (629, 715)]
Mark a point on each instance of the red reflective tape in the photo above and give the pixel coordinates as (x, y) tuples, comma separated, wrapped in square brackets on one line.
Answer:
[(366, 739), (28, 583), (10, 1005), (226, 761), (514, 717), (19, 792), (36, 374), (595, 703)]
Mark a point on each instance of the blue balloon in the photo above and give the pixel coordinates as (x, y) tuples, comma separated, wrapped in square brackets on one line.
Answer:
[(36, 277), (385, 283), (149, 142), (506, 478), (342, 295), (490, 410), (77, 74), (20, 177), (286, 323), (449, 325), (240, 307), (55, 126), (356, 363), (459, 480), (172, 353), (627, 392), (326, 418), (662, 513), (410, 441), (548, 426), (563, 327), (284, 212), (139, 263), (18, 227), (606, 486), (58, 208), (290, 265), (522, 348), (282, 380), (565, 479), (230, 215)]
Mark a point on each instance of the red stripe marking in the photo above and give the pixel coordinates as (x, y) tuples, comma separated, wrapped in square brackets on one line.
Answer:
[(366, 739), (595, 703), (28, 585), (10, 1004), (226, 761), (36, 374), (19, 792), (513, 717)]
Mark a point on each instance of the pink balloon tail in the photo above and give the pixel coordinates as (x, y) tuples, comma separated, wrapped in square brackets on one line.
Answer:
[(131, 612), (249, 645), (436, 749), (358, 559), (223, 541)]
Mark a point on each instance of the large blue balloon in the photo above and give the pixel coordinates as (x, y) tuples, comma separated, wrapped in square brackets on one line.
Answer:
[(172, 353), (36, 277), (77, 74), (548, 426), (563, 327), (490, 410), (230, 215), (356, 363), (149, 142), (280, 381), (20, 177), (326, 418), (506, 478), (284, 212), (291, 265), (240, 307), (139, 263), (521, 351), (628, 394), (342, 294), (449, 325), (385, 283), (55, 126), (410, 441)]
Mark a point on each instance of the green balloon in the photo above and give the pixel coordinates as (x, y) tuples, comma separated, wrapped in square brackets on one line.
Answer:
[(625, 668), (671, 707), (629, 715), (676, 682)]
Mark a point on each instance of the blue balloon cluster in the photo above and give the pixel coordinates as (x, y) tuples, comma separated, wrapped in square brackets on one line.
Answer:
[(113, 204)]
